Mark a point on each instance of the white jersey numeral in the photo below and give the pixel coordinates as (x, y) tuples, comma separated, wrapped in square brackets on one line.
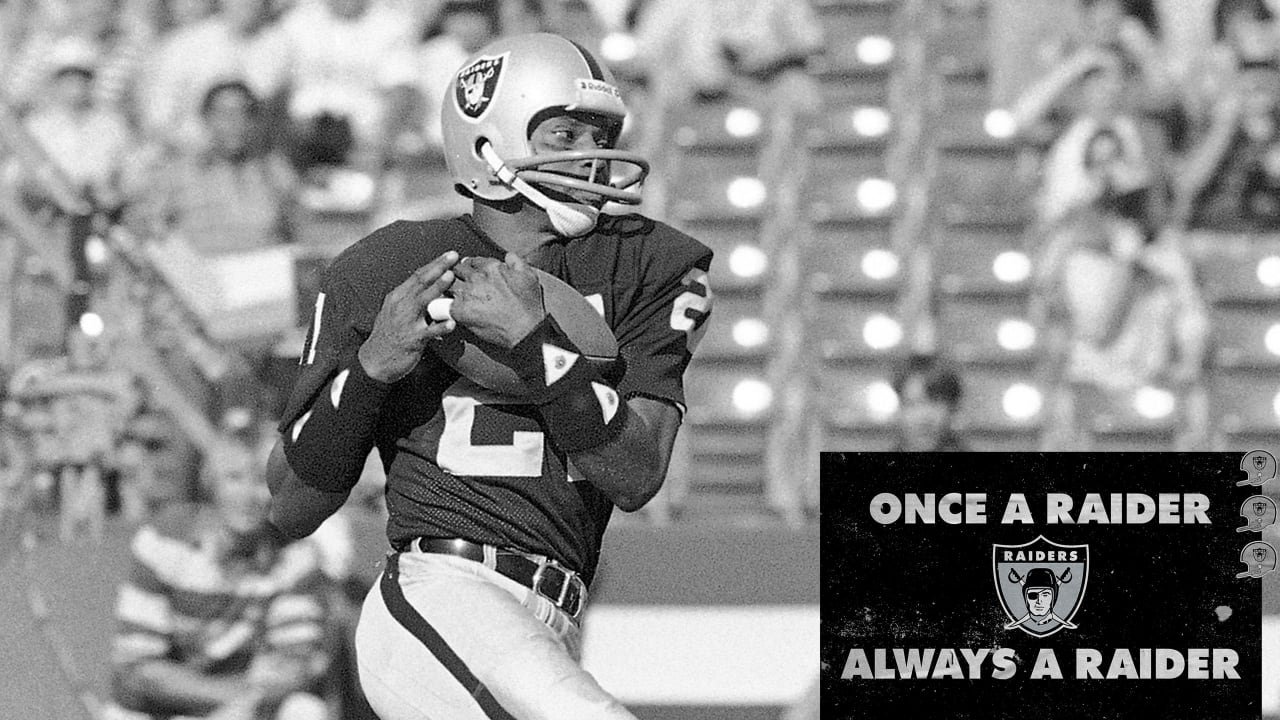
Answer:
[(457, 454), (691, 308)]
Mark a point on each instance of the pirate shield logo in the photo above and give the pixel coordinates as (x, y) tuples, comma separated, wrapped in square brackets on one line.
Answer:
[(1040, 584), (476, 83)]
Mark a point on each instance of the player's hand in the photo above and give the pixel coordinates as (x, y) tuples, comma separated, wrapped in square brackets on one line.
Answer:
[(499, 301), (401, 329)]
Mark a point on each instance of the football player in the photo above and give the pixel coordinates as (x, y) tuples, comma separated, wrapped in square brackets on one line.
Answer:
[(497, 505)]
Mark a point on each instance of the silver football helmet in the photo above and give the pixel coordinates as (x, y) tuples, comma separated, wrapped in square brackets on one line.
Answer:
[(497, 98)]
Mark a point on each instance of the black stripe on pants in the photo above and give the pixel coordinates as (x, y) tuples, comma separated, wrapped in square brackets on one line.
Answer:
[(407, 616)]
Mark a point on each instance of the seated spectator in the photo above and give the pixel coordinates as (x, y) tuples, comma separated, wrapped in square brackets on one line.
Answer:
[(345, 56), (219, 617), (1231, 180), (77, 408), (233, 194), (116, 32), (929, 393), (236, 42), (90, 144)]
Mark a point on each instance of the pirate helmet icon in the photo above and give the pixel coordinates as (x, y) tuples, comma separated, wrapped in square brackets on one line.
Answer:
[(1260, 465), (1259, 557), (1259, 511), (1040, 591)]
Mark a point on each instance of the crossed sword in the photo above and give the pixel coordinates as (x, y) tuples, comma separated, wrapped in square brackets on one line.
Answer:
[(1052, 615)]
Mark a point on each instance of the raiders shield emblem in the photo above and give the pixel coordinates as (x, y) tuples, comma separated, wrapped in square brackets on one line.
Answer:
[(1040, 584), (476, 83)]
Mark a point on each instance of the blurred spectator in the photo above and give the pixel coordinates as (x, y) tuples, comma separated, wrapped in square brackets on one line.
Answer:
[(116, 32), (76, 409), (460, 28), (88, 142), (1231, 180), (1245, 33), (345, 57), (231, 196), (219, 617), (706, 49), (1072, 174), (1116, 278), (236, 43), (577, 20), (929, 393)]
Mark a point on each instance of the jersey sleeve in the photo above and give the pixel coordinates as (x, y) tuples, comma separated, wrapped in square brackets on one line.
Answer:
[(332, 336), (658, 337)]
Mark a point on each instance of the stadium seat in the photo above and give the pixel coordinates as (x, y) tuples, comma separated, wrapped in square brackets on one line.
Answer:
[(1004, 400), (850, 125), (732, 393), (740, 265), (846, 24), (715, 186), (857, 399), (973, 261), (1236, 268), (960, 46), (860, 86), (856, 330), (849, 185), (727, 126), (1137, 418), (725, 435), (968, 103), (1245, 403), (1009, 440), (1246, 336), (737, 330), (855, 258), (986, 331), (982, 186)]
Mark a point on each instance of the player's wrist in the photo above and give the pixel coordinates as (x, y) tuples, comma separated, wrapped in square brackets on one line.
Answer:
[(366, 361), (327, 447), (580, 409)]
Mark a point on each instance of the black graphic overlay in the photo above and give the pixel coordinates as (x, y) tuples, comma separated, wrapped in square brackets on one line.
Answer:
[(994, 585)]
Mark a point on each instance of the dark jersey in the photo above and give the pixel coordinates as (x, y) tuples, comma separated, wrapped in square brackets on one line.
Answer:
[(464, 462)]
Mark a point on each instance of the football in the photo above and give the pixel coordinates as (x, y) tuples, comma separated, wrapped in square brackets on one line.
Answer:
[(488, 365)]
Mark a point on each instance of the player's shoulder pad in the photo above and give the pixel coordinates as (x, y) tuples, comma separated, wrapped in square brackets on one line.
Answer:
[(659, 246)]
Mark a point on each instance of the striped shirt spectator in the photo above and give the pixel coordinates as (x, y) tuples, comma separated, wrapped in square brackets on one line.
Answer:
[(218, 615)]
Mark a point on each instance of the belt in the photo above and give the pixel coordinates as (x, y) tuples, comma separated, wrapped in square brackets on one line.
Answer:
[(548, 578)]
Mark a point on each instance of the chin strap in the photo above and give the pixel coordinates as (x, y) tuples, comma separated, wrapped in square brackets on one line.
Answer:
[(570, 219)]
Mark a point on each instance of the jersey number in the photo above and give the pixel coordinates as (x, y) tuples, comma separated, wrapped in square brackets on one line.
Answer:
[(690, 310), (517, 455)]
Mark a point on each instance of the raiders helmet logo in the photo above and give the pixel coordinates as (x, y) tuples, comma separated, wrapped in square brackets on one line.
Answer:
[(1260, 466), (1259, 557), (1040, 584), (1259, 511), (476, 84)]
